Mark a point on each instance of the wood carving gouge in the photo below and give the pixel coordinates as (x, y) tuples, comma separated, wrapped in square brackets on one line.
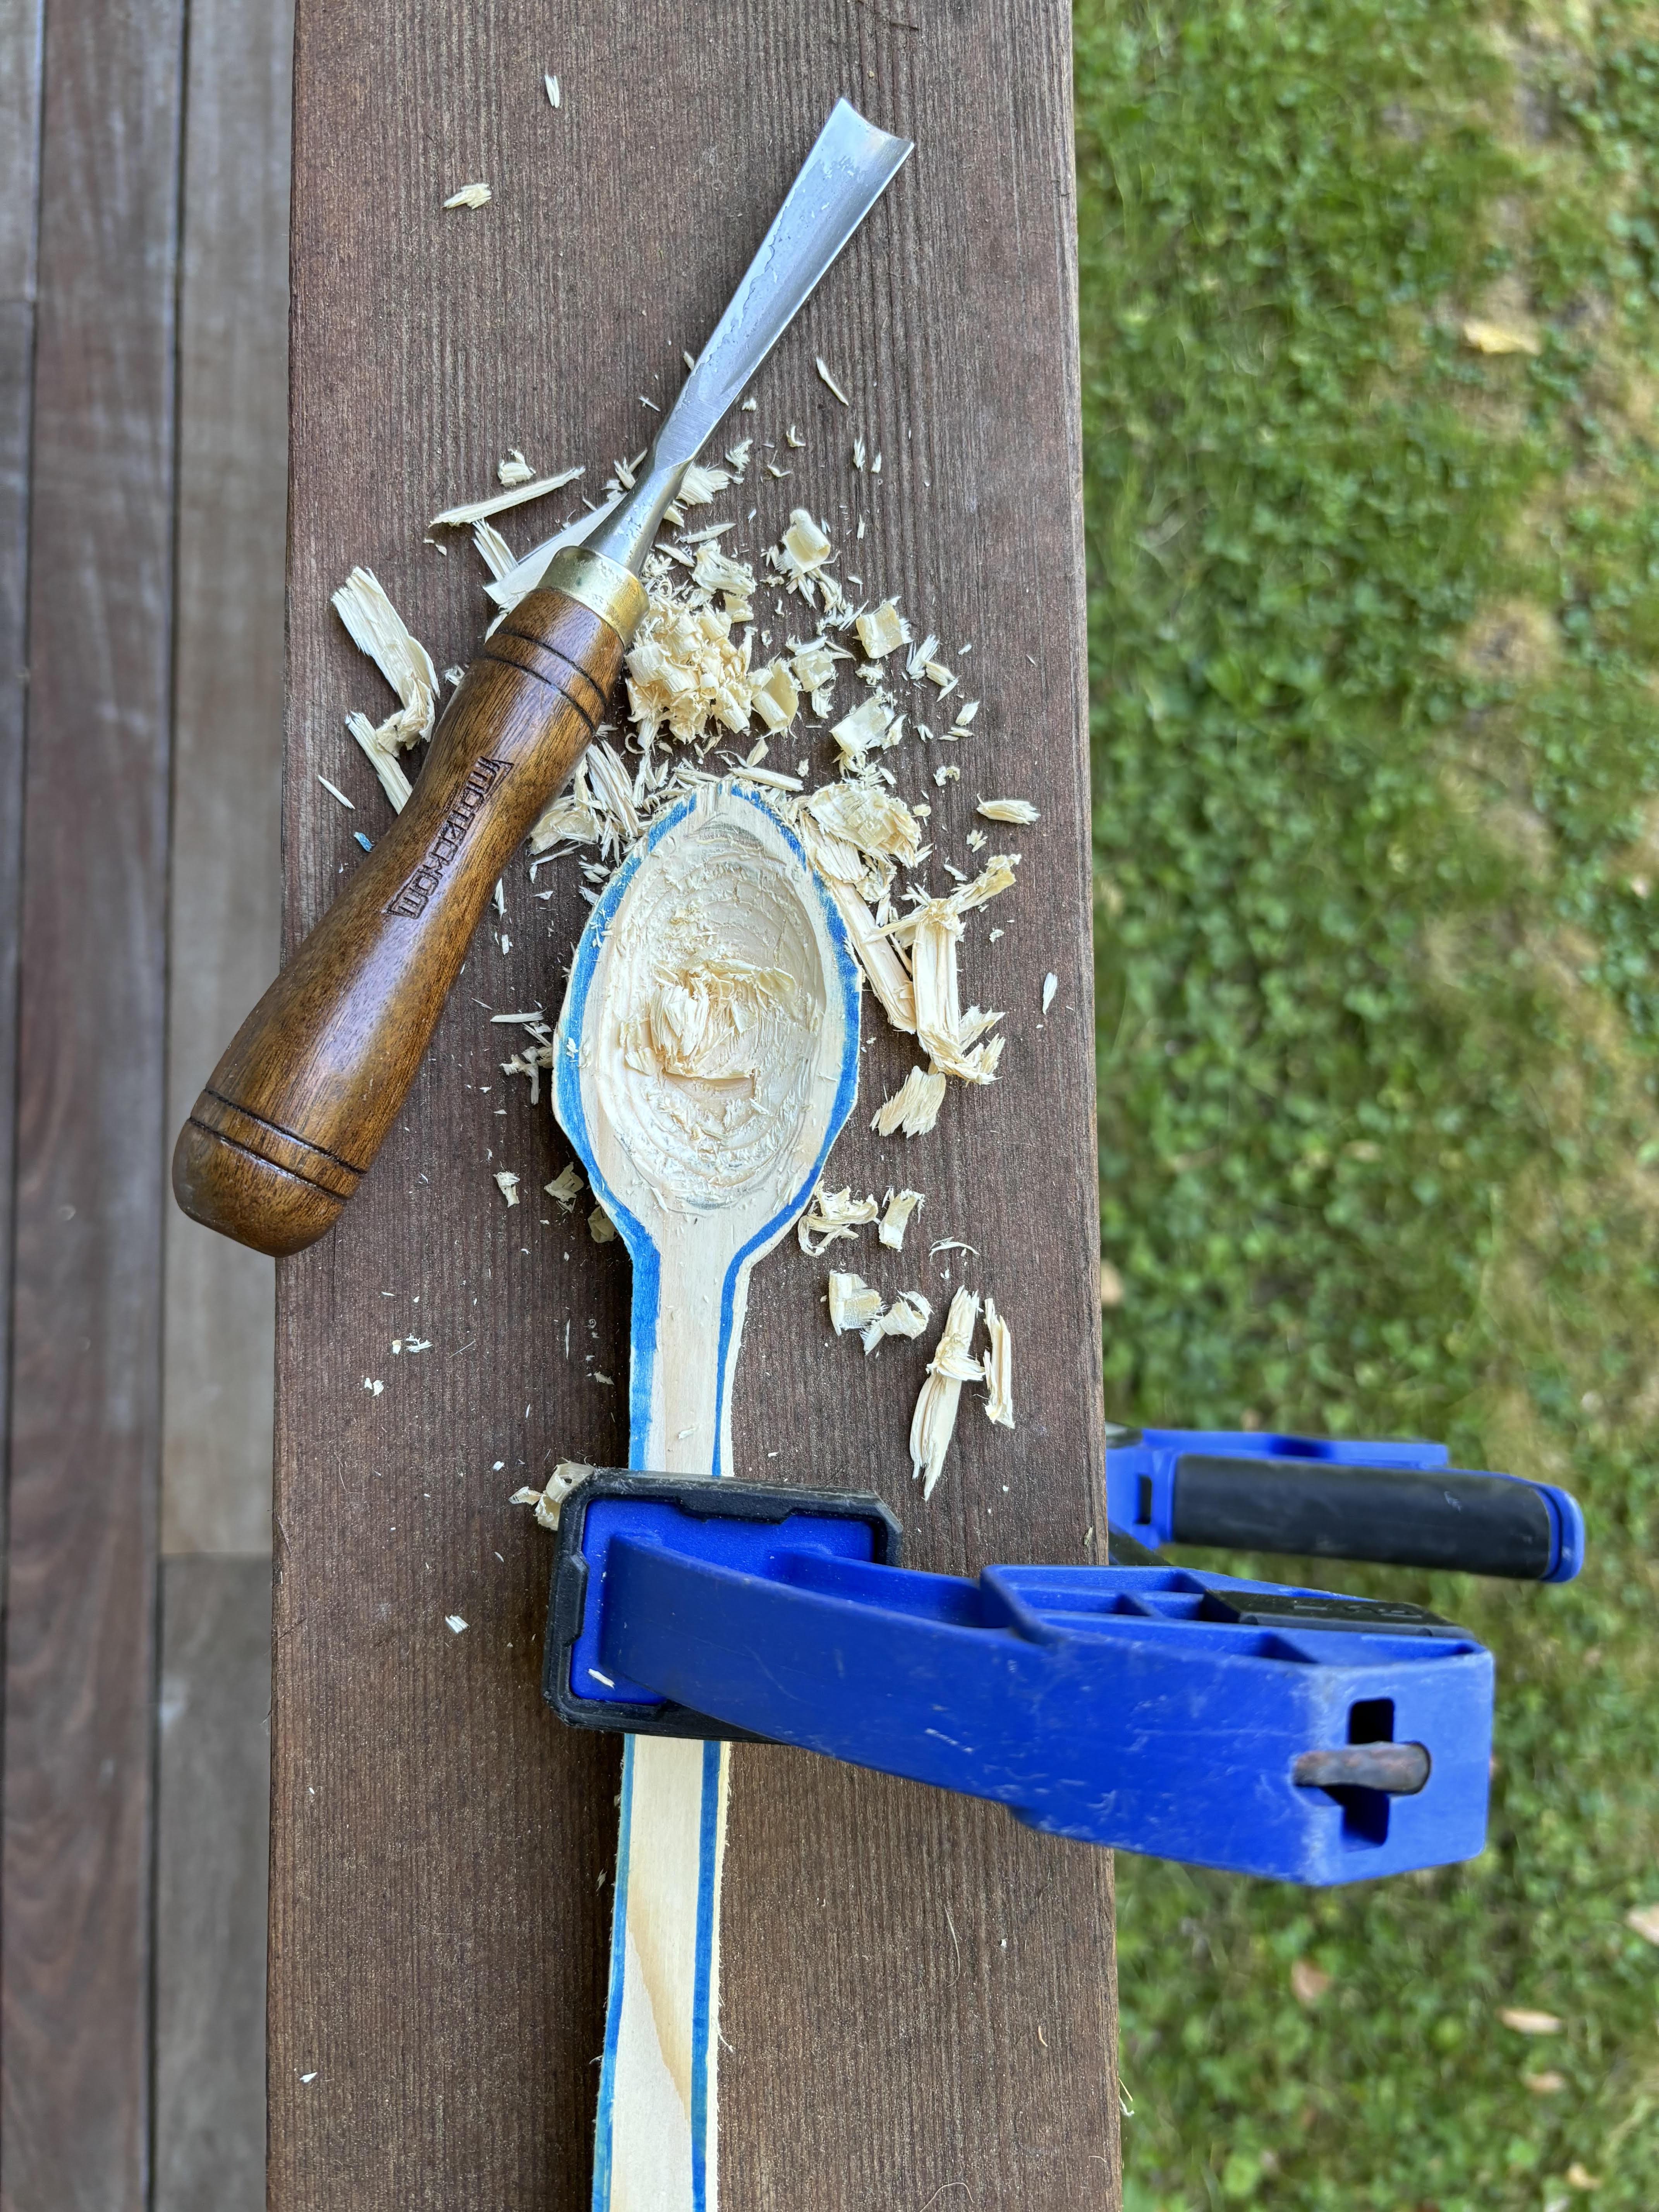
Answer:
[(296, 1109)]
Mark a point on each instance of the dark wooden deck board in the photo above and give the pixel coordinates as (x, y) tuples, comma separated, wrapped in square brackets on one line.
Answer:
[(212, 1833), (438, 1927), (20, 125), (74, 2043)]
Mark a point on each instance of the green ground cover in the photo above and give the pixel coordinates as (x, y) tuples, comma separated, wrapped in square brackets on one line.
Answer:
[(1375, 626)]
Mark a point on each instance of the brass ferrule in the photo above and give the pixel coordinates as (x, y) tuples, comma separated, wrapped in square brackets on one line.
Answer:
[(612, 591)]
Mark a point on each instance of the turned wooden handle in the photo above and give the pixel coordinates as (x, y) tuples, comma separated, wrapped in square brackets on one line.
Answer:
[(296, 1109)]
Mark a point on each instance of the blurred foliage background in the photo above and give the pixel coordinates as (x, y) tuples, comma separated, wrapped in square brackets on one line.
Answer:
[(1371, 327)]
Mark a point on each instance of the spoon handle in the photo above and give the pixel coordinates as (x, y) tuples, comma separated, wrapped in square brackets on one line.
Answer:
[(654, 2145)]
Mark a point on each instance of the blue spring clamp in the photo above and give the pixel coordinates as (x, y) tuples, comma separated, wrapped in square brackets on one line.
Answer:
[(1274, 1730)]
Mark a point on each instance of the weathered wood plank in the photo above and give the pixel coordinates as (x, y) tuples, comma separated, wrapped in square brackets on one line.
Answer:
[(213, 1828), (20, 133), (438, 1922), (223, 921), (74, 2040)]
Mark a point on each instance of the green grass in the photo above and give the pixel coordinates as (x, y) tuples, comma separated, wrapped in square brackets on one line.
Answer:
[(1375, 628)]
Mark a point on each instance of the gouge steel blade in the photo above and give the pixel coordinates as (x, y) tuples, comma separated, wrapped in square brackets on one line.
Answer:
[(847, 172)]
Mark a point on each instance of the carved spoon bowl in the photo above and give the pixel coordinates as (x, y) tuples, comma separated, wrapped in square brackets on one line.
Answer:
[(707, 1055)]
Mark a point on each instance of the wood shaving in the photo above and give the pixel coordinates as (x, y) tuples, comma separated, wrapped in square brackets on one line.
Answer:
[(514, 470), (1020, 811), (793, 437), (951, 1037), (531, 1062), (1644, 1919), (913, 1106), (814, 664), (801, 552), (600, 1227), (335, 792), (553, 92), (829, 1215), (699, 486), (896, 1219), (858, 452), (882, 630), (870, 727), (566, 1188), (507, 1183), (997, 1363), (866, 833), (454, 1624), (937, 672), (880, 961), (497, 555), (907, 1315), (613, 793), (819, 363), (378, 629), (469, 196), (572, 818), (994, 878), (457, 518), (715, 571), (1050, 985), (853, 1304), (934, 1422), (775, 696), (944, 776), (567, 1476)]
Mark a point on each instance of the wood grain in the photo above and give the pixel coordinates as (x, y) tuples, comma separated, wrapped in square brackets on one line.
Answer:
[(223, 922), (213, 1828), (298, 1107), (73, 2104), (20, 118), (439, 1925)]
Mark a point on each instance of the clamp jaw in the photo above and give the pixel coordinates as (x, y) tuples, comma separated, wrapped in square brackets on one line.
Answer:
[(1279, 1731)]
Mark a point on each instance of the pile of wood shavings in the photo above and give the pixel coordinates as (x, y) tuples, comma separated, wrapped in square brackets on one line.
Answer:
[(694, 682)]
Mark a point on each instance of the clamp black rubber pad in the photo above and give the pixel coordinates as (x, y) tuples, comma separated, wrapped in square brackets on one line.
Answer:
[(703, 1500)]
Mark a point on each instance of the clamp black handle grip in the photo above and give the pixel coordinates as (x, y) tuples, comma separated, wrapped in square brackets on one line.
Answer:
[(1479, 1524)]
